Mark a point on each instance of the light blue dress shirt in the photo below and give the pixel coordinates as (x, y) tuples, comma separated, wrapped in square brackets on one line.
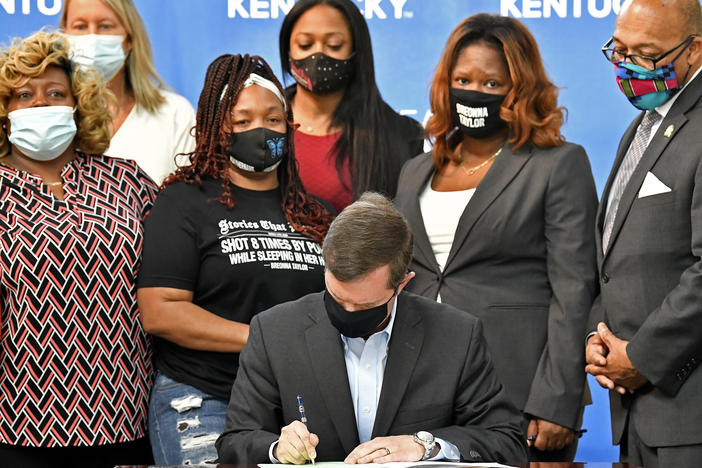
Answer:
[(365, 366)]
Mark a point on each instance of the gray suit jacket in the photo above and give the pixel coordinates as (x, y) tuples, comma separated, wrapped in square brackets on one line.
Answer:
[(522, 260), (651, 279), (438, 377)]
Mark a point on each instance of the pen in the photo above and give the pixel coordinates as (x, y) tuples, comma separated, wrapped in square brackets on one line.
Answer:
[(303, 416), (578, 433)]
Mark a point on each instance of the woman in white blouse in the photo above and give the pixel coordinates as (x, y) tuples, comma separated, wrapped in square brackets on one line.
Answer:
[(151, 124)]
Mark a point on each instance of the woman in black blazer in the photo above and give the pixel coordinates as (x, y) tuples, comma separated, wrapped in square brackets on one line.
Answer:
[(503, 214)]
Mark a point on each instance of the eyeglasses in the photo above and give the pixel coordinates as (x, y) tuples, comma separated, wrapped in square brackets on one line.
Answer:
[(649, 63)]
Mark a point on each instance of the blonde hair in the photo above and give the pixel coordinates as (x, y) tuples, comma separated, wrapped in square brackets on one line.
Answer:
[(142, 78), (29, 58)]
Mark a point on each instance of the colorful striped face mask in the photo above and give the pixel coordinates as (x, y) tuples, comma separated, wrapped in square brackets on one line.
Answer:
[(646, 89)]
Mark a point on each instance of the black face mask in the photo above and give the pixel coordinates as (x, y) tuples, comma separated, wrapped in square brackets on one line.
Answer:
[(257, 150), (476, 114), (357, 323), (321, 74)]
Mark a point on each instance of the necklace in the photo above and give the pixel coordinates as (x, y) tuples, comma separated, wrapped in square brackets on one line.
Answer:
[(473, 170), (52, 184)]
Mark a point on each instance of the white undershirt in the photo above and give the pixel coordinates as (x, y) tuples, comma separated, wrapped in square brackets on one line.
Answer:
[(441, 212)]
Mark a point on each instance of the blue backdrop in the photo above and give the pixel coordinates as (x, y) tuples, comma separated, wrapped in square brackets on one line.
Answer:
[(408, 36)]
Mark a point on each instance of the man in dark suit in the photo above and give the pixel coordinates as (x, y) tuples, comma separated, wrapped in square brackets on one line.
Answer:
[(385, 375), (648, 318)]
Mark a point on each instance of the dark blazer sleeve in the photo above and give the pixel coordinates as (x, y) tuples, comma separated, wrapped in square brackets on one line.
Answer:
[(570, 205), (254, 408), (596, 316), (667, 346), (486, 423)]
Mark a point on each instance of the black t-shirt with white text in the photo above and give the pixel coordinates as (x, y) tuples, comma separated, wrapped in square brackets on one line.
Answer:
[(236, 262)]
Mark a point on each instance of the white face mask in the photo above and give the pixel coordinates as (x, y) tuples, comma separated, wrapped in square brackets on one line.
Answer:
[(102, 52), (42, 133)]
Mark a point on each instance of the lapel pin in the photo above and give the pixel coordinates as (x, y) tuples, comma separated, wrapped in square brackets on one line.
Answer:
[(669, 131)]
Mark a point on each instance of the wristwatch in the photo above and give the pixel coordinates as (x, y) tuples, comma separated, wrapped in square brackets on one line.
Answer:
[(426, 440)]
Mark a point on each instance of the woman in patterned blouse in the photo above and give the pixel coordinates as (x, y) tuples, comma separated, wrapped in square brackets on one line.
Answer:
[(74, 360)]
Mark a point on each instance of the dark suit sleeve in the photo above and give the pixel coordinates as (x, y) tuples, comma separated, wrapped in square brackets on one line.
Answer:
[(668, 345), (487, 425), (570, 204), (596, 316), (254, 413)]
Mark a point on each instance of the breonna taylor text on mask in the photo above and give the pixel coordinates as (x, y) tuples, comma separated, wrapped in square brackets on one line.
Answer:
[(472, 117)]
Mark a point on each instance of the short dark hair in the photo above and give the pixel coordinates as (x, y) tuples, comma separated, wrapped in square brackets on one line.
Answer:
[(368, 234), (692, 12)]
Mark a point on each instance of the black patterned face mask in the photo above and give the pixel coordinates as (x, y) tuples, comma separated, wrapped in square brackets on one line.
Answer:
[(321, 74)]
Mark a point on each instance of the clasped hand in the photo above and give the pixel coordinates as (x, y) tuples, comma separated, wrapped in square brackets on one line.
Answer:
[(607, 360), (297, 445)]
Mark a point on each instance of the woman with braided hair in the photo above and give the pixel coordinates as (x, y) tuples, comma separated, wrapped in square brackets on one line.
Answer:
[(231, 235)]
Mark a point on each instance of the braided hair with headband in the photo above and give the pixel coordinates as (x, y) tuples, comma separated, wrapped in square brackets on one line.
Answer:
[(223, 82)]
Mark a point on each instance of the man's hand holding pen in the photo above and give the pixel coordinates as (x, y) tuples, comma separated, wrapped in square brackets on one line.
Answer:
[(296, 444)]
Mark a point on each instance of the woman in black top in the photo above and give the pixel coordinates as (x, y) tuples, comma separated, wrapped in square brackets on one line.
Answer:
[(232, 234)]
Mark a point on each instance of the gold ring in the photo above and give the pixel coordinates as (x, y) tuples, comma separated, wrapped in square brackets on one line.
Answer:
[(387, 451)]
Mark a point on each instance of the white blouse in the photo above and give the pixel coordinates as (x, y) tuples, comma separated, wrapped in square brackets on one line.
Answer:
[(441, 212), (153, 140)]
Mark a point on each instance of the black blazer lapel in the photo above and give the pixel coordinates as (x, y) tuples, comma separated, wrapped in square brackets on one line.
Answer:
[(418, 181), (506, 166), (326, 354), (404, 348)]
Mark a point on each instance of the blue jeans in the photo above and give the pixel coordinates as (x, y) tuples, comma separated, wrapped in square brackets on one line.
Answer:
[(184, 423)]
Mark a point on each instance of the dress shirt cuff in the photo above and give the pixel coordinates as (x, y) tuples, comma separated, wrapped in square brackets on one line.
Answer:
[(270, 452), (447, 451)]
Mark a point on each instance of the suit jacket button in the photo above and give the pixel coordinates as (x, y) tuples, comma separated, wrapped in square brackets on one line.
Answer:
[(605, 278)]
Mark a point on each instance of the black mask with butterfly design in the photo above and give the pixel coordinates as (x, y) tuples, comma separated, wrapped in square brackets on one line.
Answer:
[(257, 150)]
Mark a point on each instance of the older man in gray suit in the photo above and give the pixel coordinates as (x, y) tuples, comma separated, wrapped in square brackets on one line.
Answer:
[(385, 375), (648, 318)]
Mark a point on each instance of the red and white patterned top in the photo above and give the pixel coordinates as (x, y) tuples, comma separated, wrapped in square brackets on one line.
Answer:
[(75, 365)]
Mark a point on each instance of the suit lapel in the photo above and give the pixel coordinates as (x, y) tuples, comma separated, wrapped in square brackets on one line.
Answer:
[(502, 172), (327, 357), (624, 144), (424, 252), (649, 158), (621, 152), (404, 348)]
